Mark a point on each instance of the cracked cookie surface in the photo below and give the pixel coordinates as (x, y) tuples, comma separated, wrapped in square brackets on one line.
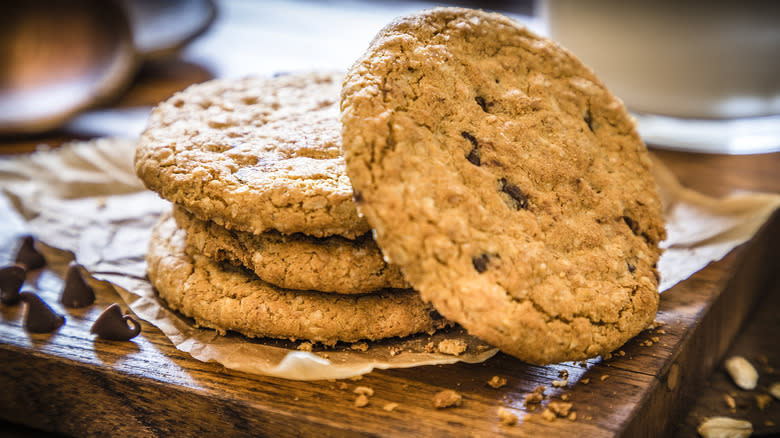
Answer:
[(328, 264), (254, 154), (224, 297), (507, 183)]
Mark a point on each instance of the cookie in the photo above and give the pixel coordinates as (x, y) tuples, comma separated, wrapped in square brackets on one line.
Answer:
[(297, 261), (506, 181), (253, 155), (224, 297)]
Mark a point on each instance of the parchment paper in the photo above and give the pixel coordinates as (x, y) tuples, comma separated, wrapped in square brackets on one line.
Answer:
[(84, 197)]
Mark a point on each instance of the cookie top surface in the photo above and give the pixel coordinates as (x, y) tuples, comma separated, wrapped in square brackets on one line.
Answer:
[(224, 297), (254, 154), (296, 261), (507, 183)]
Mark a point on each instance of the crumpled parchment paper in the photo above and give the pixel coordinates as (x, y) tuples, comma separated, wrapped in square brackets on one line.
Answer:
[(84, 198)]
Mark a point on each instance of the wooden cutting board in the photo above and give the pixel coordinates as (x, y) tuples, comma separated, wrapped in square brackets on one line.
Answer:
[(73, 383)]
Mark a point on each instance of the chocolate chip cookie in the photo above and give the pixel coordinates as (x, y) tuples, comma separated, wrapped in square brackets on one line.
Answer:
[(225, 297), (253, 155), (506, 181), (329, 264)]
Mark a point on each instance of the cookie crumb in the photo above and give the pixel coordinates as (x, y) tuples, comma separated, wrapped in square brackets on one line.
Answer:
[(482, 348), (774, 389), (548, 415), (361, 401), (563, 374), (621, 353), (572, 416), (395, 351), (762, 400), (560, 409), (565, 397), (342, 385), (429, 347), (730, 402), (536, 396), (607, 356), (364, 390), (496, 382), (305, 346), (359, 346), (585, 381), (356, 378), (506, 417), (661, 331), (604, 377), (655, 338), (390, 407), (447, 398), (454, 347), (559, 383)]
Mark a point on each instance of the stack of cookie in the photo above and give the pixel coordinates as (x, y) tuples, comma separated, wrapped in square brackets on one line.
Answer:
[(264, 237), (495, 169)]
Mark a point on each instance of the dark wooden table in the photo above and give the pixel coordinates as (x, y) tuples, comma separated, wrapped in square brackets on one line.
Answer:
[(77, 386)]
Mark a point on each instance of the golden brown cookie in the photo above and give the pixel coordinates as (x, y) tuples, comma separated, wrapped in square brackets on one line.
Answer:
[(507, 183), (328, 264), (254, 154), (223, 297)]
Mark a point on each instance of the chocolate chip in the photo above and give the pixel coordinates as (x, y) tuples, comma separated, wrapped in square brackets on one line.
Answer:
[(588, 119), (28, 256), (11, 280), (631, 224), (111, 324), (76, 293), (473, 155), (481, 102), (514, 192), (631, 268), (358, 197), (38, 316), (481, 262)]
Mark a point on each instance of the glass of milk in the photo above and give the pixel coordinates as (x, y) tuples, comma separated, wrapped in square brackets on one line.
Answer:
[(700, 76)]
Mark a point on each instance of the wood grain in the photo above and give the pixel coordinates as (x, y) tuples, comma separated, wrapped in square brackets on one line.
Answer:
[(72, 383)]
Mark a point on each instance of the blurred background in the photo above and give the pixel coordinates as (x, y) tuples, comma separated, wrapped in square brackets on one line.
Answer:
[(63, 61), (702, 79)]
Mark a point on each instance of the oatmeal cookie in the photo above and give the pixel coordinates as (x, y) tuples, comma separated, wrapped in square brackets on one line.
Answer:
[(253, 155), (224, 297), (506, 181), (328, 264)]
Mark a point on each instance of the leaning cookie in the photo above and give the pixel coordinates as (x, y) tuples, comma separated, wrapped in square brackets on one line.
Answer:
[(507, 183), (329, 264), (254, 154), (224, 298)]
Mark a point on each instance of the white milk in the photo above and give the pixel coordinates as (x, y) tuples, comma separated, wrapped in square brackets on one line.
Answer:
[(713, 59)]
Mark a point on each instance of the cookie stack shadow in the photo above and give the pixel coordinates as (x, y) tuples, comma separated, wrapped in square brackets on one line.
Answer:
[(264, 238)]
